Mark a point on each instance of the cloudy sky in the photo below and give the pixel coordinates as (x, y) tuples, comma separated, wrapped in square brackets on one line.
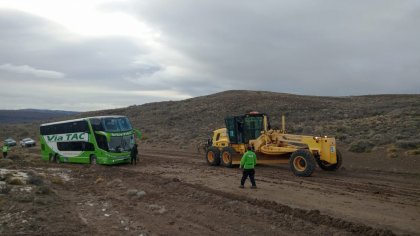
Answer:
[(98, 54)]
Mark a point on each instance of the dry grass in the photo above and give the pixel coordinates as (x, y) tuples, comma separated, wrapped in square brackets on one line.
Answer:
[(56, 180), (361, 123)]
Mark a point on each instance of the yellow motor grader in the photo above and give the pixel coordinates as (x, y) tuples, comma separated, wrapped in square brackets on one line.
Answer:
[(227, 145)]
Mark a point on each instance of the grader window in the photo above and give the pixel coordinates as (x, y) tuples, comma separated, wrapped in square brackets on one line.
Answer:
[(232, 131), (241, 129), (253, 127)]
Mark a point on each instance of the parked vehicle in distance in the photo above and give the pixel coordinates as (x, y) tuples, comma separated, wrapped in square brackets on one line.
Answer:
[(27, 142), (10, 142)]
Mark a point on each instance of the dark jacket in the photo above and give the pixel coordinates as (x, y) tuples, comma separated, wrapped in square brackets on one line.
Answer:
[(134, 151)]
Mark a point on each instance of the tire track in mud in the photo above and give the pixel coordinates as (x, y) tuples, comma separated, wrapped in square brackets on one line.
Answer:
[(368, 183), (380, 187), (311, 216), (200, 206)]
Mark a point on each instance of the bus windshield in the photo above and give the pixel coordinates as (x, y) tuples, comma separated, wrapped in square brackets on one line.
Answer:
[(121, 144), (119, 124)]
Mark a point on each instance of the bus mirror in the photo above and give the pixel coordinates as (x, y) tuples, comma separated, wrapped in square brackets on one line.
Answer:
[(138, 133), (108, 138)]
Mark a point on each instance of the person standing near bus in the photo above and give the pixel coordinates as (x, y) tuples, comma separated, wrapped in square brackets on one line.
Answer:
[(248, 162), (133, 154), (5, 149)]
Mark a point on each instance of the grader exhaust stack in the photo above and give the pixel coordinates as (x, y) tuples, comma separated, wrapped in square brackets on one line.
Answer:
[(283, 123), (301, 152)]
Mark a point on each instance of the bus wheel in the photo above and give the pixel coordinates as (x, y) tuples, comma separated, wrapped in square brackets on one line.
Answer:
[(50, 157), (56, 159), (93, 160)]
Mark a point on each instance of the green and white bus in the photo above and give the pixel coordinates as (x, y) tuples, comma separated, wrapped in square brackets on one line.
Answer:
[(101, 139)]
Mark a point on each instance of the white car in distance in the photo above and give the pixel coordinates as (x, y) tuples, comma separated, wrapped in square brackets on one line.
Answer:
[(27, 142)]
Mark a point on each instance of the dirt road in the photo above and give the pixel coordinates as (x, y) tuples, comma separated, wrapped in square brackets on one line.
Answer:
[(176, 193)]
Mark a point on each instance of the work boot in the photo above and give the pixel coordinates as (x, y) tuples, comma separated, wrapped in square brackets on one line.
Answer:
[(241, 186), (255, 186)]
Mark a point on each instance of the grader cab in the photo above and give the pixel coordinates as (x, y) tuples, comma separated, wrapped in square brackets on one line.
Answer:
[(271, 146)]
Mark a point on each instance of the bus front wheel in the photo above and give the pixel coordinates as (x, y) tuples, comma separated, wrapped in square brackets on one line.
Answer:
[(93, 160), (56, 159)]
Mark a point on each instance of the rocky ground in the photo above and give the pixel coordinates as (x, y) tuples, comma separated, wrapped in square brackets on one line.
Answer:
[(176, 193)]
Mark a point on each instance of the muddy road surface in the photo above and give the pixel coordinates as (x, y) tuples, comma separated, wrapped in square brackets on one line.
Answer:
[(177, 193)]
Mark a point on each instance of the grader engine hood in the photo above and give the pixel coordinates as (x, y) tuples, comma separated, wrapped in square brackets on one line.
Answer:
[(328, 150)]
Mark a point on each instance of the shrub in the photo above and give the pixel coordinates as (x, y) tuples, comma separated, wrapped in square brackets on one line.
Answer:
[(381, 139), (15, 181), (413, 152), (35, 180), (392, 151), (56, 180), (44, 189), (5, 162), (408, 144), (131, 192), (361, 146), (4, 188)]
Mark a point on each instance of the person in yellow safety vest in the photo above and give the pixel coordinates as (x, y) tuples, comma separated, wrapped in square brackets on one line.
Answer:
[(248, 162), (5, 148)]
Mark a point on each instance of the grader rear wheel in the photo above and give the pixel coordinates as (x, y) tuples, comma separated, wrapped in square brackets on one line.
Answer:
[(213, 156), (227, 155), (302, 163)]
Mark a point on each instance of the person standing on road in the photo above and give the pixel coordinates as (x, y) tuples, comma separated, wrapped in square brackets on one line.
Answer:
[(248, 162), (5, 148), (133, 154)]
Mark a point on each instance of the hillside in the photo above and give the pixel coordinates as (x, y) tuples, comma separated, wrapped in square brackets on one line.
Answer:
[(30, 115), (360, 123)]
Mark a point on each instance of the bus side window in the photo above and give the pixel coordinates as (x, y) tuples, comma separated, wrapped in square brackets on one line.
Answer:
[(97, 125), (101, 141), (88, 147)]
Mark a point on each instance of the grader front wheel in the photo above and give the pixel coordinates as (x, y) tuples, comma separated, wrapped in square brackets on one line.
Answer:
[(302, 163), (331, 167), (213, 156)]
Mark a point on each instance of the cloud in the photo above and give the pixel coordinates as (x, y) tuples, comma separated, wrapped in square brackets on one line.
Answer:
[(159, 50), (306, 47), (24, 69)]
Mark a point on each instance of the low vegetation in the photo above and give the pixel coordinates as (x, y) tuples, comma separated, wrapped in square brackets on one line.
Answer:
[(360, 123)]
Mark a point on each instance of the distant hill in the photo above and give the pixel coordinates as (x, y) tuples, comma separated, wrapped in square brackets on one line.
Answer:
[(30, 115), (360, 123)]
